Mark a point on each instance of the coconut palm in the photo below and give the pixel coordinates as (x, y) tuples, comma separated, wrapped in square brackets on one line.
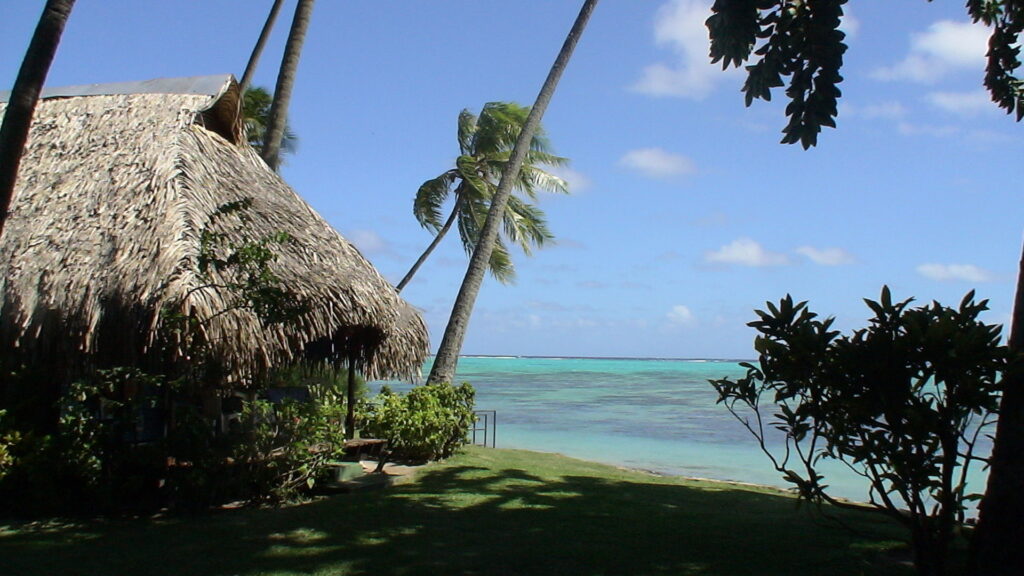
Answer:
[(285, 81), (21, 104), (447, 357), (254, 58), (485, 143)]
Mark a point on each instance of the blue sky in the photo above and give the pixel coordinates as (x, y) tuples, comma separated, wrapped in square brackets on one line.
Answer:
[(686, 213)]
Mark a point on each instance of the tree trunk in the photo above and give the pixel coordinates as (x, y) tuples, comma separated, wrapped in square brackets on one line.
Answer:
[(451, 344), (254, 58), (25, 93), (998, 543), (433, 244), (285, 81)]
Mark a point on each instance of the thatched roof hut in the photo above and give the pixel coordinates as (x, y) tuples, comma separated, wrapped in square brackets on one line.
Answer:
[(114, 190)]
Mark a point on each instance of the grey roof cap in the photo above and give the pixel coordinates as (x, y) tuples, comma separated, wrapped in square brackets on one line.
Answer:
[(201, 85)]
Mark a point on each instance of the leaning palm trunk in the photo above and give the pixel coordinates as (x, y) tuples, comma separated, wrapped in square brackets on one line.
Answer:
[(996, 547), (25, 94), (451, 344), (257, 50), (285, 81), (433, 244)]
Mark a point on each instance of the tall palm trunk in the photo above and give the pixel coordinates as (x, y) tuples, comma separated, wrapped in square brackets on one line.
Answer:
[(433, 243), (451, 344), (254, 58), (998, 544), (285, 81), (25, 93)]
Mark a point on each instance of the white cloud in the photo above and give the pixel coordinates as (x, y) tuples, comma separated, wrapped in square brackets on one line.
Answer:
[(657, 163), (945, 47), (962, 103), (890, 110), (745, 252), (951, 272), (680, 315), (679, 26), (826, 256), (578, 182), (368, 242), (933, 131)]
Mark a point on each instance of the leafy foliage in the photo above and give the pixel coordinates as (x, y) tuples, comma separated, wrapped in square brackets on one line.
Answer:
[(287, 447), (427, 423), (901, 403), (801, 41), (240, 269)]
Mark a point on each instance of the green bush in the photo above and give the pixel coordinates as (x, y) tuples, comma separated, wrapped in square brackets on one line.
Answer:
[(97, 461), (428, 423), (287, 447)]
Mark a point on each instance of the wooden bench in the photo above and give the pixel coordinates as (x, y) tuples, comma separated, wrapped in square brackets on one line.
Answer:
[(357, 447)]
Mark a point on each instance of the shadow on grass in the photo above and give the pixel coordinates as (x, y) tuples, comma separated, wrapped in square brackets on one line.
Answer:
[(468, 519)]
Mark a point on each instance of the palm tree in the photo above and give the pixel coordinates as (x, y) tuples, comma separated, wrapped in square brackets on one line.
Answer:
[(447, 357), (485, 144), (285, 81), (25, 93), (254, 58), (255, 114)]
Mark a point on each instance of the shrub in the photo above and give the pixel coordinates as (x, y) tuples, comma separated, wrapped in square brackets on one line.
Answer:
[(286, 448), (902, 403), (427, 423)]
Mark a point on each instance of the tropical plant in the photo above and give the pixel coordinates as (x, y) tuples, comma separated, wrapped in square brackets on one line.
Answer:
[(22, 103), (255, 113), (485, 145), (447, 357), (427, 423), (802, 41), (285, 82), (901, 403)]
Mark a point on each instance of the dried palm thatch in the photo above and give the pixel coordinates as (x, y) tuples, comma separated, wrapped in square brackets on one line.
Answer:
[(104, 232)]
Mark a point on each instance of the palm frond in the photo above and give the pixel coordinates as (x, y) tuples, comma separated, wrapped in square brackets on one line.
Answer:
[(472, 215), (541, 180), (469, 170), (431, 195), (543, 157), (467, 131), (500, 265), (525, 225)]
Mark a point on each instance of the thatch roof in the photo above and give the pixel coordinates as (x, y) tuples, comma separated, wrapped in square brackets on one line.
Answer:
[(104, 233)]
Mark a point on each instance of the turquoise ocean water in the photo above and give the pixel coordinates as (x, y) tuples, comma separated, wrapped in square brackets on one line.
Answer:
[(657, 415)]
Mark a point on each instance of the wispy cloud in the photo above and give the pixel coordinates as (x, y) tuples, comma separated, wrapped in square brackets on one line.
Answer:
[(945, 47), (368, 242), (826, 256), (849, 23), (745, 252), (889, 110), (679, 27), (962, 103), (680, 315), (954, 272), (930, 130), (657, 163)]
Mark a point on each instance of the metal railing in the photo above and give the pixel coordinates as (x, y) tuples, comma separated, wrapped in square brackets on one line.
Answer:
[(486, 425)]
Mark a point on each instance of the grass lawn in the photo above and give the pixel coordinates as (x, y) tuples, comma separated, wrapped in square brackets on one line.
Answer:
[(483, 512)]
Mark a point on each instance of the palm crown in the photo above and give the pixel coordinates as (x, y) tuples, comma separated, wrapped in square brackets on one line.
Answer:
[(485, 144)]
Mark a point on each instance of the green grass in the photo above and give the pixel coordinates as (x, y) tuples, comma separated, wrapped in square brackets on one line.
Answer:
[(483, 512)]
